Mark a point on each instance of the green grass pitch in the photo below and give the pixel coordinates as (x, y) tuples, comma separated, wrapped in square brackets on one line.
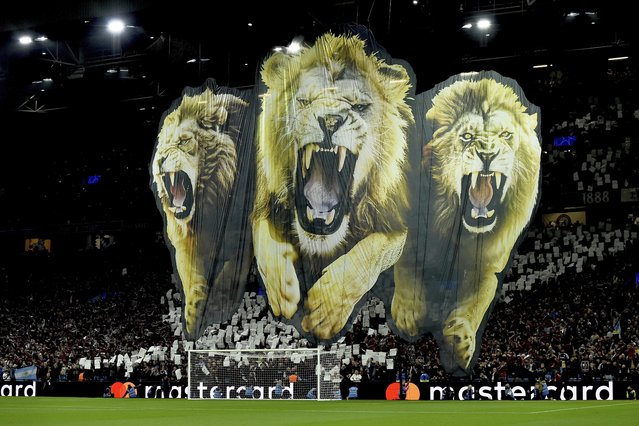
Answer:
[(43, 411)]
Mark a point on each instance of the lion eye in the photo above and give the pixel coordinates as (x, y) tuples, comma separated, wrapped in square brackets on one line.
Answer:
[(466, 137), (186, 144), (360, 107), (505, 135), (304, 102)]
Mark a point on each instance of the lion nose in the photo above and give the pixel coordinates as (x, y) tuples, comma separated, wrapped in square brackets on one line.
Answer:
[(487, 157), (330, 123)]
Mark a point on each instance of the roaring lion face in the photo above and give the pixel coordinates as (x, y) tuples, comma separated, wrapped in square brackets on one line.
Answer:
[(339, 117), (485, 156), (195, 160)]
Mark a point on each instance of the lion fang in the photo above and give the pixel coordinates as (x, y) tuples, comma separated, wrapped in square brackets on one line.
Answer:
[(474, 213), (473, 177), (330, 217), (497, 179), (308, 156), (342, 156)]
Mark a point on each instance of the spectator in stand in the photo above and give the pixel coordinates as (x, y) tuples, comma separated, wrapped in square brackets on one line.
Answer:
[(356, 377)]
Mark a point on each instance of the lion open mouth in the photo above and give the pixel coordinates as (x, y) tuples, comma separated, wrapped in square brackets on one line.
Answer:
[(180, 189), (484, 193), (324, 177)]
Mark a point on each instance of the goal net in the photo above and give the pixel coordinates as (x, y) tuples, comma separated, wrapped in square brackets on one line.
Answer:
[(263, 374)]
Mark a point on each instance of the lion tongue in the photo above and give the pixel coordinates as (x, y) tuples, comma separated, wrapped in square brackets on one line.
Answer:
[(322, 191), (480, 195), (178, 192)]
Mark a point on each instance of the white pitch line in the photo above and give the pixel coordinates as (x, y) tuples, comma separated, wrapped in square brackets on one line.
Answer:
[(581, 408), (210, 409)]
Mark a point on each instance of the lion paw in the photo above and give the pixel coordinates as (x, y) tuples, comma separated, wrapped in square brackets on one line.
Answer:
[(408, 313), (195, 295), (460, 338), (282, 287), (330, 301), (327, 311)]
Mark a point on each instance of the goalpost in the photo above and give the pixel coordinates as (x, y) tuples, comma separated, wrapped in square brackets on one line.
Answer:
[(263, 374)]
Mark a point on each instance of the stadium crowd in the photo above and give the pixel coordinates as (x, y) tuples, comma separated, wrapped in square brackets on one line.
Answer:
[(110, 304)]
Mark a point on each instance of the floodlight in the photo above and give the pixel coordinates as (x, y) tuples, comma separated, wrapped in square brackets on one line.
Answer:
[(483, 24), (294, 47), (115, 26)]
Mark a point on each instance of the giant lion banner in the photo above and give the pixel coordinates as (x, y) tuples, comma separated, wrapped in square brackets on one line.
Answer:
[(474, 187), (340, 184), (331, 179), (202, 178)]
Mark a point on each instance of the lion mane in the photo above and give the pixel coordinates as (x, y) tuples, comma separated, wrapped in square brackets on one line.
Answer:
[(331, 155), (193, 171)]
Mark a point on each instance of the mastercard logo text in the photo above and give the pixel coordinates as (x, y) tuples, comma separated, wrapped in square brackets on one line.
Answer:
[(392, 392)]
